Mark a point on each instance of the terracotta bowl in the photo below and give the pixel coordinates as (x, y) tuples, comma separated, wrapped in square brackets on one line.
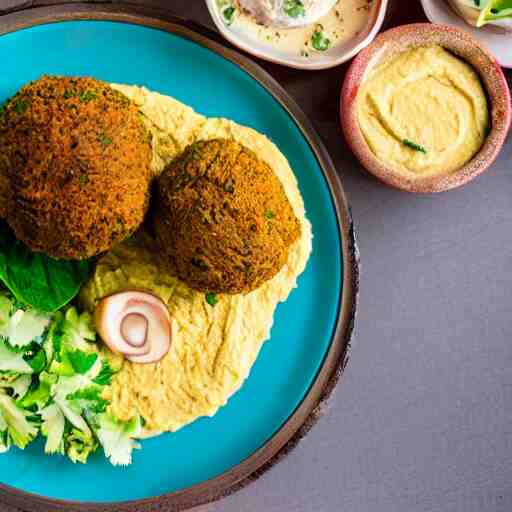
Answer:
[(466, 47)]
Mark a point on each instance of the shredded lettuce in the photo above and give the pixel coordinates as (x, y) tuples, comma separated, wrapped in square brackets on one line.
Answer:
[(118, 438), (52, 381), (16, 422), (17, 386), (12, 361), (25, 327), (73, 414), (5, 311), (72, 344), (78, 330), (39, 394), (79, 445), (5, 442), (20, 326), (89, 399), (104, 377), (53, 428), (20, 386)]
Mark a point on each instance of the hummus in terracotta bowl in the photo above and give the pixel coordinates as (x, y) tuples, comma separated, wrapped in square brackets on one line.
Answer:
[(425, 108)]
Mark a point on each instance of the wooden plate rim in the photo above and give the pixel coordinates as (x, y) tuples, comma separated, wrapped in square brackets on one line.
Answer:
[(310, 409)]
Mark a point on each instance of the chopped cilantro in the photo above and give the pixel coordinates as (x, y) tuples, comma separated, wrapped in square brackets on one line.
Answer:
[(193, 153), (229, 186), (68, 94), (319, 41), (104, 139), (413, 145), (87, 96), (294, 8), (20, 106), (196, 152), (104, 378), (84, 179), (200, 264), (269, 214), (91, 397), (81, 361), (211, 298), (229, 14), (38, 362)]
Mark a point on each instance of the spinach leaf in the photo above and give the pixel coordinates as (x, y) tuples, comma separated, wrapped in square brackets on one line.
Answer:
[(36, 279)]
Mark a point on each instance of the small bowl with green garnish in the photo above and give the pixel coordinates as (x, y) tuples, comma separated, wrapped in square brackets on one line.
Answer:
[(302, 34), (425, 108)]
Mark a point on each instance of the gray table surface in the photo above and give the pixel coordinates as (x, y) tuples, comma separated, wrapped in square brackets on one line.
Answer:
[(422, 419)]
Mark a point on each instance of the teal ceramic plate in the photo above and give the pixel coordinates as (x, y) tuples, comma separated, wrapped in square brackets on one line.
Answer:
[(310, 336)]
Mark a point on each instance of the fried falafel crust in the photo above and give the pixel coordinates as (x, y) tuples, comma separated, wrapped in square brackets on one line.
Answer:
[(76, 162), (222, 218)]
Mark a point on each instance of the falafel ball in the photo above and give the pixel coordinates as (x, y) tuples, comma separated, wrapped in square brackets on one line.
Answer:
[(222, 218), (77, 159)]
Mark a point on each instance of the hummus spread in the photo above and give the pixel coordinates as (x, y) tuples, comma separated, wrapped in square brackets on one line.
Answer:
[(423, 112), (213, 347)]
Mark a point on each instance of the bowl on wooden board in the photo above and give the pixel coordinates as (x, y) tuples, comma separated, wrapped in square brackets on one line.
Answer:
[(458, 42), (267, 50)]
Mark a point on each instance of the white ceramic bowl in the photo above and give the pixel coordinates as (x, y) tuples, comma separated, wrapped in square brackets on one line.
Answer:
[(497, 40), (333, 57)]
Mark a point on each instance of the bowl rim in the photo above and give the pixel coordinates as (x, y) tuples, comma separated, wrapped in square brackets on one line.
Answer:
[(439, 12), (465, 47), (337, 356), (374, 25)]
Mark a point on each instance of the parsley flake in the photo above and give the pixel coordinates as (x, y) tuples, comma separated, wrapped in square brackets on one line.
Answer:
[(104, 139), (229, 14), (413, 145), (294, 8), (319, 41), (104, 378), (87, 96), (211, 298), (20, 106)]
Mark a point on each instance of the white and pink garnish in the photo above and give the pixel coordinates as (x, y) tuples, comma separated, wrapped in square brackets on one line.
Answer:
[(136, 324)]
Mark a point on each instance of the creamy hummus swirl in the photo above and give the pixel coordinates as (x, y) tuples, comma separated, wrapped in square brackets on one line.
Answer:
[(213, 348), (423, 112)]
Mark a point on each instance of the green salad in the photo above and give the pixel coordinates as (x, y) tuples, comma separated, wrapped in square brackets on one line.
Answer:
[(52, 374), (52, 379)]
